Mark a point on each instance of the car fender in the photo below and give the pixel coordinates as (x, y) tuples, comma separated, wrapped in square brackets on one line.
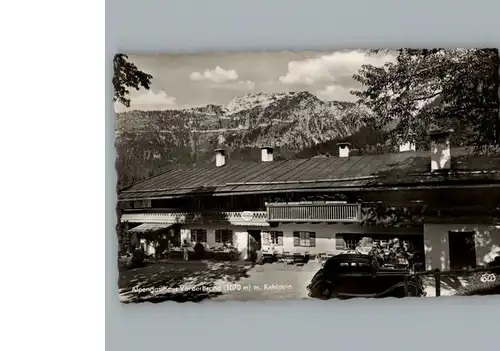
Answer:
[(320, 281)]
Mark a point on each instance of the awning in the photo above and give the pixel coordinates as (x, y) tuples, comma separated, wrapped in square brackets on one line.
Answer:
[(149, 227)]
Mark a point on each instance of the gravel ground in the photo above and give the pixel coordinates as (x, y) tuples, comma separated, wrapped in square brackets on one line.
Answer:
[(197, 281)]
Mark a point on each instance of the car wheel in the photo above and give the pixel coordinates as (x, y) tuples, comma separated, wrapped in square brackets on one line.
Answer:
[(324, 290)]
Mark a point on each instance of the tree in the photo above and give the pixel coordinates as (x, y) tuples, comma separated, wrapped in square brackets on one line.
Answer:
[(127, 75), (155, 140), (446, 88)]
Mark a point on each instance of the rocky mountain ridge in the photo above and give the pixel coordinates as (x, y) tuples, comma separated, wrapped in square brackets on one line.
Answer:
[(291, 119), (290, 122)]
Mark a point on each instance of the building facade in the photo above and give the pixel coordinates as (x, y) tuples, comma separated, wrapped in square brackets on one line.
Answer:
[(443, 203)]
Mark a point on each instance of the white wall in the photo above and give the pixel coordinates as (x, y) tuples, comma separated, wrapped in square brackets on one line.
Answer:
[(487, 240), (240, 241)]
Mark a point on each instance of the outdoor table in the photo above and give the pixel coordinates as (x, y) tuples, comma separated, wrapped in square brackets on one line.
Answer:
[(269, 256), (298, 258)]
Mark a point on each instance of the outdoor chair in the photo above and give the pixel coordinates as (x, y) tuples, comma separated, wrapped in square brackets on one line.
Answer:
[(279, 256), (287, 258)]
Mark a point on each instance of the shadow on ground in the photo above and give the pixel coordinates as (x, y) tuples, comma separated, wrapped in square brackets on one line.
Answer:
[(451, 283), (179, 281), (478, 287), (466, 285)]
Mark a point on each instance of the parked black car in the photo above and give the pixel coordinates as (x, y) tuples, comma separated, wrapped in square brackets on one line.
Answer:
[(359, 275)]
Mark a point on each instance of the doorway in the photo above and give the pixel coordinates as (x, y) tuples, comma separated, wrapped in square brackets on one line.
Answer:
[(254, 242), (462, 250)]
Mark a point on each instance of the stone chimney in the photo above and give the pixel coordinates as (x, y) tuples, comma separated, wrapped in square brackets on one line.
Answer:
[(266, 154), (220, 157), (344, 149), (440, 149)]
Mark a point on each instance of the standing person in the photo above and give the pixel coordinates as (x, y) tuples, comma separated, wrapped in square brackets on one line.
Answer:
[(260, 257), (185, 253), (133, 243), (167, 251)]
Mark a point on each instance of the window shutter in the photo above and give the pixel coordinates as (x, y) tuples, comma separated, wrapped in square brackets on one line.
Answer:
[(193, 235), (203, 236), (280, 238), (218, 238), (296, 239), (312, 239)]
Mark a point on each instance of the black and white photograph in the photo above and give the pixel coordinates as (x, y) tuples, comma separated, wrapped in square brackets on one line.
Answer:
[(307, 174)]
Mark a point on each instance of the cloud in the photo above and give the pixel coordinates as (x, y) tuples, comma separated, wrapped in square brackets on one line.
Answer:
[(217, 75), (329, 67), (335, 92), (148, 100)]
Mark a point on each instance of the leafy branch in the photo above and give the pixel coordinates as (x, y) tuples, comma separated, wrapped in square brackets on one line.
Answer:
[(127, 75)]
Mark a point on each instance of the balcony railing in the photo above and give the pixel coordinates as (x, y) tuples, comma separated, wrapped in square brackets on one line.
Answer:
[(325, 212)]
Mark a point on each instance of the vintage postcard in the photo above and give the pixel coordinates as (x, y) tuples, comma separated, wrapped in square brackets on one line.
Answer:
[(308, 175)]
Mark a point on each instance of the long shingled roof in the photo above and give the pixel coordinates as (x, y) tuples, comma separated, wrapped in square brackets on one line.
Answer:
[(405, 168)]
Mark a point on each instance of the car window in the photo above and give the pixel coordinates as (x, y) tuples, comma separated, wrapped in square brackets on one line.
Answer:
[(351, 267)]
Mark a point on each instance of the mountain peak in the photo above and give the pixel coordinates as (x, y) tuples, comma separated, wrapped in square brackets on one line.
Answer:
[(251, 100)]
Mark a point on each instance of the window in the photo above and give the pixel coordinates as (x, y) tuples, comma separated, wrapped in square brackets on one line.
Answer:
[(354, 267), (198, 235), (346, 242), (224, 236), (351, 243), (304, 239), (142, 204), (125, 205), (276, 238)]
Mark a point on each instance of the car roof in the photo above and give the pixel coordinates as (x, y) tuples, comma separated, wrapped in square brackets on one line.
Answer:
[(351, 257)]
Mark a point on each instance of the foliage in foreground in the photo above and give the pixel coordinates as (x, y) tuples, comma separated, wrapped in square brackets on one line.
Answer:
[(426, 88)]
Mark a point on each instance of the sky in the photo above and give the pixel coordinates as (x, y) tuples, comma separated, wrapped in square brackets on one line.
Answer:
[(189, 80)]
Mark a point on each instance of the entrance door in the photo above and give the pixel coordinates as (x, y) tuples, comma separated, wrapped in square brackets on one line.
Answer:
[(462, 250)]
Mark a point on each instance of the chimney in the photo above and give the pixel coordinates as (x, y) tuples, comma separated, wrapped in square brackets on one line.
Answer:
[(440, 150), (344, 149), (220, 157), (267, 154), (409, 145)]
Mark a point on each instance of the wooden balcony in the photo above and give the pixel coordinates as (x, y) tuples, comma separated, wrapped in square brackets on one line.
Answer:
[(313, 212)]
